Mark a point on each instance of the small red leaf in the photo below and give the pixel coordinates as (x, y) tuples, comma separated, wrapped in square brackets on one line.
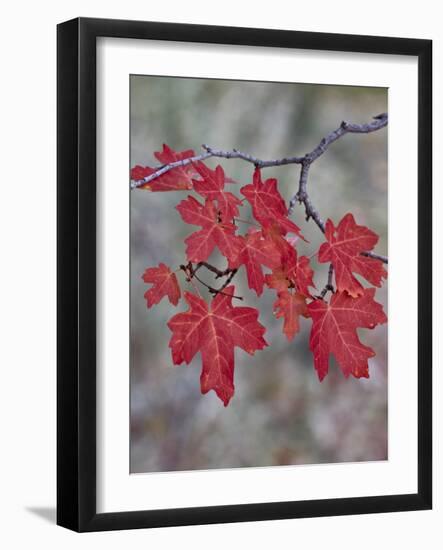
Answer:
[(334, 331), (211, 186), (286, 250), (168, 155), (278, 279), (303, 275), (295, 272), (343, 250), (290, 306), (214, 232), (164, 283), (214, 331), (256, 250), (179, 178), (268, 205)]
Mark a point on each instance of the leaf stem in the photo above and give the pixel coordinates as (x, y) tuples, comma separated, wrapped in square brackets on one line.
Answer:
[(329, 287)]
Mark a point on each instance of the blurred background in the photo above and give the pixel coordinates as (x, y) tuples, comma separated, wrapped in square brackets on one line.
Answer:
[(280, 413)]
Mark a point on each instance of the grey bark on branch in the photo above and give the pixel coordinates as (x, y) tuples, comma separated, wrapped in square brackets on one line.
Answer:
[(301, 196)]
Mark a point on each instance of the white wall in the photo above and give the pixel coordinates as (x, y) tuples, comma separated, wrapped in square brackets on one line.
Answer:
[(27, 220)]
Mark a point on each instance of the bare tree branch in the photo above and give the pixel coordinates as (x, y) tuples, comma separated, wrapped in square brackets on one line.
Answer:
[(258, 163), (218, 272), (345, 128), (380, 121), (301, 196)]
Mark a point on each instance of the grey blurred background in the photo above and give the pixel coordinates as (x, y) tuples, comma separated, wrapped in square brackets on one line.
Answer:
[(280, 413)]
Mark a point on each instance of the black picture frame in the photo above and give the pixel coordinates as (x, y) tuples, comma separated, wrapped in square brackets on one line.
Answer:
[(76, 294)]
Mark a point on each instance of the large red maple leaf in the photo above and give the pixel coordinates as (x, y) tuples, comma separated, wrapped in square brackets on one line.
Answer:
[(175, 179), (211, 186), (343, 250), (334, 330), (290, 306), (164, 283), (214, 332), (268, 206), (256, 250), (214, 232)]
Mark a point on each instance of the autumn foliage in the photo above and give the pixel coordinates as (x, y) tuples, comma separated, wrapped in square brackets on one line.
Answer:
[(267, 255)]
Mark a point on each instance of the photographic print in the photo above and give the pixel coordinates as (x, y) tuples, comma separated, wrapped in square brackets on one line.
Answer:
[(223, 296), (258, 274)]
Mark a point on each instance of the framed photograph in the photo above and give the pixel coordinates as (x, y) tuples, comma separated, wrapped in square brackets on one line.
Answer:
[(244, 274)]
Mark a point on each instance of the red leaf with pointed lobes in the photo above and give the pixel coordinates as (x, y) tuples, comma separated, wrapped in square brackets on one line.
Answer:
[(168, 155), (192, 212), (176, 179), (268, 206), (278, 279), (140, 172), (290, 306), (211, 186), (164, 283), (214, 232), (334, 330), (296, 272), (214, 332), (302, 274), (256, 250), (276, 235), (343, 250)]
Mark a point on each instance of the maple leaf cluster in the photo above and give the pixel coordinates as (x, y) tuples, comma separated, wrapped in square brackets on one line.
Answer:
[(215, 329)]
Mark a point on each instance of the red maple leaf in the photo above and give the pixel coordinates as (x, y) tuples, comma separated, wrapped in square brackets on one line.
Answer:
[(295, 272), (281, 242), (211, 186), (278, 279), (290, 306), (302, 275), (175, 179), (164, 283), (334, 331), (343, 250), (214, 232), (256, 250), (214, 331), (268, 206)]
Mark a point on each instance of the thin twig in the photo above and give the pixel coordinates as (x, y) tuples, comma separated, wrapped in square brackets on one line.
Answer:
[(190, 271), (229, 279), (218, 272), (329, 287), (379, 122), (189, 278), (258, 163), (210, 267), (383, 259)]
